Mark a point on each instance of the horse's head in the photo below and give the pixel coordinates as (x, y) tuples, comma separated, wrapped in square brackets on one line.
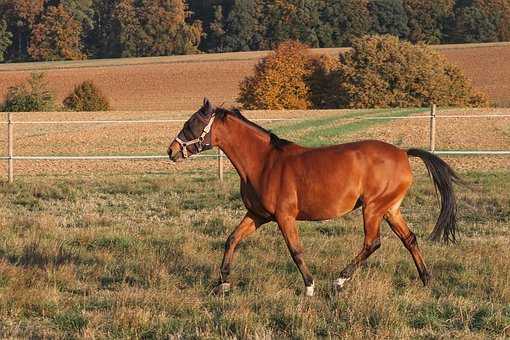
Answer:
[(195, 135)]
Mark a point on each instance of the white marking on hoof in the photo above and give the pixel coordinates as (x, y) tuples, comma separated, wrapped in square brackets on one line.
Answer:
[(309, 290), (340, 282)]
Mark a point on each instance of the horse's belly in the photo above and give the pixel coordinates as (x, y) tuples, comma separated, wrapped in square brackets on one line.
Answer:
[(318, 209)]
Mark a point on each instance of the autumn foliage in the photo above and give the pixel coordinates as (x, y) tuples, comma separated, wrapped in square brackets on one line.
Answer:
[(155, 28), (379, 71), (86, 97), (280, 80), (382, 71), (57, 36)]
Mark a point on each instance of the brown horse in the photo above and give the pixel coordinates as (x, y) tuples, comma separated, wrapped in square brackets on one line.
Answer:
[(285, 182)]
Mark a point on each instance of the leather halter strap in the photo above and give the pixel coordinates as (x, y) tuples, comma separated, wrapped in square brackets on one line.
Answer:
[(199, 141)]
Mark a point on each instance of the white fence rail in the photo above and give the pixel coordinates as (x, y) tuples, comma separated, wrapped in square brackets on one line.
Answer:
[(10, 158)]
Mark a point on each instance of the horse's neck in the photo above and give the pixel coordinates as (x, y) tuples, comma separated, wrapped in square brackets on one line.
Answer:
[(246, 146)]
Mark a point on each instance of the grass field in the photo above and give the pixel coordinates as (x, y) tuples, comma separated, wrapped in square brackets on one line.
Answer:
[(132, 250), (136, 257), (176, 83)]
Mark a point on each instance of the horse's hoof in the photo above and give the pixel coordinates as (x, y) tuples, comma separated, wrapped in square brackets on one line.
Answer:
[(340, 283), (221, 289), (425, 279), (310, 290)]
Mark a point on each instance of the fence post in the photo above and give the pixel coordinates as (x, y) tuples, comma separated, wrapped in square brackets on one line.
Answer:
[(10, 165), (220, 164), (432, 145)]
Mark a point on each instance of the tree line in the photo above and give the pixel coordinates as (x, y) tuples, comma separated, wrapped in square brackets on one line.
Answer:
[(77, 29)]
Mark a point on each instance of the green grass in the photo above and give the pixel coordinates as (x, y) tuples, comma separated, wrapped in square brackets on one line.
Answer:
[(327, 130), (136, 257)]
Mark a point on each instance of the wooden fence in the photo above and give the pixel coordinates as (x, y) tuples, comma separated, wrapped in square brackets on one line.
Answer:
[(11, 157)]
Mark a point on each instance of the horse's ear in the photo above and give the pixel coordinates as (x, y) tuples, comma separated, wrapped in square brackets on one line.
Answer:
[(208, 107)]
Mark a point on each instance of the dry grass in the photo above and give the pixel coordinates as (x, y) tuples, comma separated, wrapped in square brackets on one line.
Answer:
[(136, 257), (110, 255), (176, 83)]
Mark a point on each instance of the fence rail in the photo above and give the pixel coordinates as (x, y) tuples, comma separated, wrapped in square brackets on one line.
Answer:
[(432, 116)]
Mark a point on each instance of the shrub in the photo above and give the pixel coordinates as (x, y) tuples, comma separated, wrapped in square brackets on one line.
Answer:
[(322, 82), (279, 80), (31, 96), (86, 97), (382, 71)]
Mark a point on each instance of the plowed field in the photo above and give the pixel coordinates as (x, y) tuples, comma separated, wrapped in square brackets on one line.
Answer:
[(180, 82)]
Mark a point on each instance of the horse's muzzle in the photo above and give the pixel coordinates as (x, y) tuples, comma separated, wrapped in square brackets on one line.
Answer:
[(174, 152)]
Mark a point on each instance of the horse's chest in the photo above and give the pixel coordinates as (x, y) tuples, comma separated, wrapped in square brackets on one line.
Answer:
[(253, 202)]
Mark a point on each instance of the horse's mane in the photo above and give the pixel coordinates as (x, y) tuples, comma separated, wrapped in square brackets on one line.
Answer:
[(274, 140)]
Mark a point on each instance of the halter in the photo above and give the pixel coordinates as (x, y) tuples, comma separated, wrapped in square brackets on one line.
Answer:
[(199, 141)]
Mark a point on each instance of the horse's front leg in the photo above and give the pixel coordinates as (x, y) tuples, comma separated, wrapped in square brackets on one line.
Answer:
[(289, 231), (248, 225)]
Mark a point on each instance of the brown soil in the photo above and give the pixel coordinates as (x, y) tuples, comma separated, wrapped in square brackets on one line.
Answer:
[(179, 83), (143, 139), (453, 134)]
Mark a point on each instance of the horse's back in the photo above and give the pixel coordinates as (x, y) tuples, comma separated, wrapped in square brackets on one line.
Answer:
[(361, 156), (330, 181), (375, 164)]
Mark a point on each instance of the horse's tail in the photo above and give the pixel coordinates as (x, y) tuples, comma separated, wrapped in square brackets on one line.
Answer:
[(443, 177)]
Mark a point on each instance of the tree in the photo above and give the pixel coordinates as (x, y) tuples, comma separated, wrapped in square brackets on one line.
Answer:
[(166, 28), (156, 27), (102, 41), (57, 36), (344, 20), (81, 10), (382, 71), (30, 97), (280, 80), (215, 32), (130, 31), (428, 19), (5, 39), (20, 16), (481, 21), (86, 97), (389, 17), (322, 82), (243, 27), (294, 20), (212, 14)]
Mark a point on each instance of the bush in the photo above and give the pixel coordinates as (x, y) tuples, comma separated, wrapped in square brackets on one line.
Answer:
[(322, 82), (379, 71), (382, 71), (86, 97), (33, 96), (279, 80)]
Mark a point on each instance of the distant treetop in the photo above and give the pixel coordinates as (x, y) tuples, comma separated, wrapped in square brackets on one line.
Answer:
[(76, 29)]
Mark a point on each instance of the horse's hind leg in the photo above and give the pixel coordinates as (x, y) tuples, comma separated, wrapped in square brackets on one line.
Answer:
[(372, 219), (400, 228)]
